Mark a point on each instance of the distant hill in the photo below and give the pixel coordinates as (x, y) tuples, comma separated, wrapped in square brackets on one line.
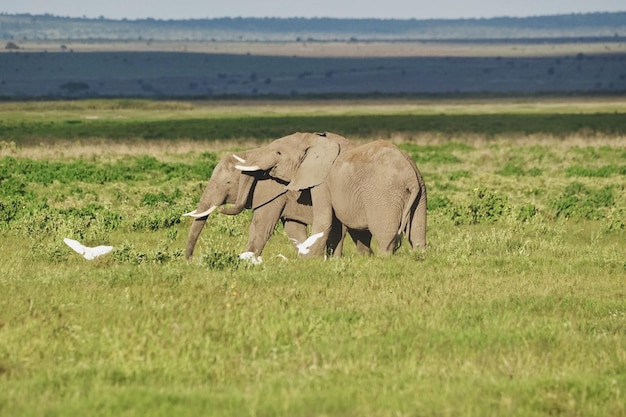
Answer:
[(572, 26)]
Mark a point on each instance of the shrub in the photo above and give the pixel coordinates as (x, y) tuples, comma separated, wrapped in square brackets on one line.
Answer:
[(512, 169), (455, 175), (485, 206), (602, 172), (158, 219), (219, 260), (440, 154), (127, 253), (9, 210), (526, 212), (580, 201), (93, 214), (438, 203), (150, 199)]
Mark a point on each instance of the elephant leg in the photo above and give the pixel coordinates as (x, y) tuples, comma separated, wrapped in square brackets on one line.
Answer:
[(418, 223), (295, 230), (388, 243), (334, 245), (385, 231), (264, 220), (322, 223), (363, 241)]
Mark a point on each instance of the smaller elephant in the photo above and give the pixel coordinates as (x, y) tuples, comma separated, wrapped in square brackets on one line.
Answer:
[(269, 200), (373, 187)]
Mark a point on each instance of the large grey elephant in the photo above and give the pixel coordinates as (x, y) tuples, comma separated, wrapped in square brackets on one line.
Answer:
[(268, 198), (375, 188)]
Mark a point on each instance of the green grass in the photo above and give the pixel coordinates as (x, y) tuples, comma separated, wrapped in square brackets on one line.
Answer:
[(518, 308), (120, 120)]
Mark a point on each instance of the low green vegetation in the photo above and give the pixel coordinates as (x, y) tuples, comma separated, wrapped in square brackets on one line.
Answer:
[(517, 308), (120, 120)]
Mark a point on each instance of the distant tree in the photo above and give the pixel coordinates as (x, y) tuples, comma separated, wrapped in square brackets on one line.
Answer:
[(11, 45), (74, 87)]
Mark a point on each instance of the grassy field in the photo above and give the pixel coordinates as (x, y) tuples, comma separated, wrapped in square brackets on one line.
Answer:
[(518, 307)]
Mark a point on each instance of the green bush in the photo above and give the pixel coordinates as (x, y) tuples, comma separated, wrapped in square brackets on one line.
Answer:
[(485, 206), (513, 169), (22, 170), (456, 175), (158, 219), (440, 154), (438, 202), (602, 172), (94, 214), (9, 209), (127, 253), (582, 202), (526, 212), (219, 260), (151, 199)]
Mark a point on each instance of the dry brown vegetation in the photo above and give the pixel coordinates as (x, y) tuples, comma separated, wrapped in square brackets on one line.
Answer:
[(335, 49)]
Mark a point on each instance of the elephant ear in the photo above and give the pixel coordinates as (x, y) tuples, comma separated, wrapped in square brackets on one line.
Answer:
[(315, 165)]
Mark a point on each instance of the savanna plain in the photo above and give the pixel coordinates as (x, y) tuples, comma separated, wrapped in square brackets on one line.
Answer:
[(517, 308)]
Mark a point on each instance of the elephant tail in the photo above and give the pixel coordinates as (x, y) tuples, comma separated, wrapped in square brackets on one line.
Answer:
[(417, 233), (416, 230), (409, 207)]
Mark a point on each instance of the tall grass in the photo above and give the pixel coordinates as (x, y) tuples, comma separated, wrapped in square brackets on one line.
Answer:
[(517, 308)]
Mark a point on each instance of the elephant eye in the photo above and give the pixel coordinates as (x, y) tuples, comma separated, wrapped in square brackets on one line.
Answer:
[(278, 153)]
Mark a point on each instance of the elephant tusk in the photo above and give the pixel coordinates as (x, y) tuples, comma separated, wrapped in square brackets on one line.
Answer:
[(248, 168), (197, 215), (240, 159)]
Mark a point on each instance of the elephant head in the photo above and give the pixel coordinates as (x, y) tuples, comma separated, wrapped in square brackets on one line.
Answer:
[(226, 185), (300, 160)]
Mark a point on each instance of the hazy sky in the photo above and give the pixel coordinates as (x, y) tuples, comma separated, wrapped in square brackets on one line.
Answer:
[(402, 9)]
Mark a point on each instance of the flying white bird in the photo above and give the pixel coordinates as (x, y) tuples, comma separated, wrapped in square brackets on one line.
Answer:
[(304, 247), (87, 252)]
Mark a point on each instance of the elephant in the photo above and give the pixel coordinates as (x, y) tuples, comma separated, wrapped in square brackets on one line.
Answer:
[(374, 188), (269, 200)]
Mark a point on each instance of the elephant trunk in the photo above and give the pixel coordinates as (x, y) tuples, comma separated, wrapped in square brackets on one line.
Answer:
[(210, 200), (246, 183), (194, 232)]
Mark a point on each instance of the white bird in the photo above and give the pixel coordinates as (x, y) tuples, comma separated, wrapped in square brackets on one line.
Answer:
[(87, 252), (249, 256), (304, 247)]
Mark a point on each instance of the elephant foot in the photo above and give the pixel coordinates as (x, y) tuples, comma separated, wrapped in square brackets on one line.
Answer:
[(249, 256)]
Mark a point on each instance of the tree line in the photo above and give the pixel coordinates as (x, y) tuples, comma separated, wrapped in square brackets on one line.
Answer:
[(50, 27)]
